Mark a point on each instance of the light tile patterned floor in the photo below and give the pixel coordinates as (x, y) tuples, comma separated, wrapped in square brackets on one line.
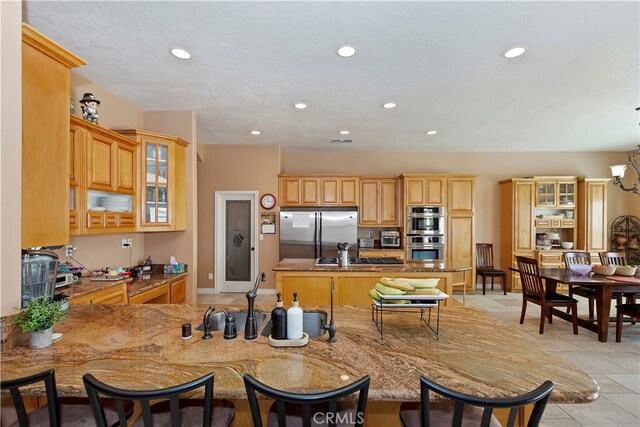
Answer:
[(615, 366)]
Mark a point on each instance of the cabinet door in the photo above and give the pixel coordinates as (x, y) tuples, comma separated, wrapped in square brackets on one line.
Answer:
[(118, 297), (434, 191), (310, 191), (545, 193), (330, 191), (415, 191), (100, 167), (523, 235), (289, 191), (368, 214), (178, 292), (126, 168), (76, 138), (461, 195), (311, 290), (389, 202), (461, 245), (348, 193), (156, 184), (566, 191)]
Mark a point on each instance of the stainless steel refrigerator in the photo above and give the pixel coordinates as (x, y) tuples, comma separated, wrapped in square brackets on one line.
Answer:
[(316, 233)]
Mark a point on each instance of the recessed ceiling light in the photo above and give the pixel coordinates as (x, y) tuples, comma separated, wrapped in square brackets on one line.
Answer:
[(180, 53), (346, 51), (514, 52), (388, 105), (344, 132), (300, 105), (432, 132), (255, 132)]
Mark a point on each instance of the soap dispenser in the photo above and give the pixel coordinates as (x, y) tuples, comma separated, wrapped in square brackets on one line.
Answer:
[(294, 320), (279, 321)]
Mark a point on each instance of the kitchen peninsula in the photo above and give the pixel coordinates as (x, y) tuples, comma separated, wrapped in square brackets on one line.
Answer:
[(129, 345), (351, 284)]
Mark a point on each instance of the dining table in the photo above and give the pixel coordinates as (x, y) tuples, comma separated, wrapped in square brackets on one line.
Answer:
[(604, 287)]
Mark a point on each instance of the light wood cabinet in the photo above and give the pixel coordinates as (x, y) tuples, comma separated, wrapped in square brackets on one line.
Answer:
[(379, 202), (178, 291), (163, 180), (460, 246), (116, 294), (318, 191), (555, 192), (157, 295), (311, 290), (106, 172), (45, 143), (592, 215), (421, 190), (460, 199)]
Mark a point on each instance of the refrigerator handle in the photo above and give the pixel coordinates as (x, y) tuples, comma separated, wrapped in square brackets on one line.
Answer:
[(319, 233)]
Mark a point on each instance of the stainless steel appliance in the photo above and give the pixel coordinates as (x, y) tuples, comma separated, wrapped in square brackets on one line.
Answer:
[(425, 220), (425, 248), (39, 272), (333, 261), (390, 239), (313, 233)]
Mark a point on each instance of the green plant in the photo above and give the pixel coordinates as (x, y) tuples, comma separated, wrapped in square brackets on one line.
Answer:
[(40, 314)]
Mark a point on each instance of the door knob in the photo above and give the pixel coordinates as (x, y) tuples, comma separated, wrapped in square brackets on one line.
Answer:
[(252, 248)]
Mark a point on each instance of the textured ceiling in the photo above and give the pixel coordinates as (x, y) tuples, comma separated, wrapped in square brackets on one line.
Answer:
[(575, 89)]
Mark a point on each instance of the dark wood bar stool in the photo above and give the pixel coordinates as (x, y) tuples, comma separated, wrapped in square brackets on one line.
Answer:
[(484, 267)]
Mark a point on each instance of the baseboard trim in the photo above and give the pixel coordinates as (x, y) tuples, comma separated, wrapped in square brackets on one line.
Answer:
[(206, 291), (266, 291)]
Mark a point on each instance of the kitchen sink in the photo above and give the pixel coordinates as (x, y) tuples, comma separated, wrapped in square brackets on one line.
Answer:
[(217, 320), (312, 321)]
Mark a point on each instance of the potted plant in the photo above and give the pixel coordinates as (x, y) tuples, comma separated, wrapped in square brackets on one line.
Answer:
[(38, 318)]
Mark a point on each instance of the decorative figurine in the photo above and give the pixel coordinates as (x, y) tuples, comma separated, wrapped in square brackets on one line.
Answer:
[(90, 107)]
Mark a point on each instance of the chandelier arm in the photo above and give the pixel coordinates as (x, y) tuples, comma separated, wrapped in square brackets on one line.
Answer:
[(634, 188), (633, 161)]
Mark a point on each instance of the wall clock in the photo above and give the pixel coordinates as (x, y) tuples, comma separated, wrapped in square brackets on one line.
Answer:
[(268, 201)]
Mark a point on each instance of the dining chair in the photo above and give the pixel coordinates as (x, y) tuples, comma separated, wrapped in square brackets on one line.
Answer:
[(466, 410), (171, 410), (484, 266), (632, 310), (571, 258), (533, 291), (72, 412), (317, 409), (618, 258)]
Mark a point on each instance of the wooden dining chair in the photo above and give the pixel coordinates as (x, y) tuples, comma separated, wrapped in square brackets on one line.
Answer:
[(571, 258), (470, 410), (618, 258), (170, 410), (533, 291), (484, 267), (632, 310), (317, 409), (57, 411)]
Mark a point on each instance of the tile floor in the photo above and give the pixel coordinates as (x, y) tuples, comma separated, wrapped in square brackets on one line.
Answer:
[(615, 366)]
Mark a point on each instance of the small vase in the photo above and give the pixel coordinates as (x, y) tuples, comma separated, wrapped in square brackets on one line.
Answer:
[(40, 339), (621, 240)]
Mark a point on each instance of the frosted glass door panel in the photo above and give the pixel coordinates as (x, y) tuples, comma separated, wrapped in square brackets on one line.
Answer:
[(162, 164), (238, 240)]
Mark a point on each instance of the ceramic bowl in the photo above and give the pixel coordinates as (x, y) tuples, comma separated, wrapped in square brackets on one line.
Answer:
[(566, 245), (581, 269)]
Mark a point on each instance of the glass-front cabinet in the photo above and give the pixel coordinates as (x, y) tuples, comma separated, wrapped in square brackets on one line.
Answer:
[(556, 193), (156, 180)]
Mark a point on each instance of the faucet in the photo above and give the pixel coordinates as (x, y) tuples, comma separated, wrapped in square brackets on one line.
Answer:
[(251, 326), (206, 323), (331, 326)]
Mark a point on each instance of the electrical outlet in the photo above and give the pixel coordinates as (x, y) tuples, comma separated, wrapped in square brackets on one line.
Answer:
[(210, 276), (124, 244), (130, 242), (68, 250)]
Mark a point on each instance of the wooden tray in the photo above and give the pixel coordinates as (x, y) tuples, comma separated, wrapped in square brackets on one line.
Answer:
[(290, 343)]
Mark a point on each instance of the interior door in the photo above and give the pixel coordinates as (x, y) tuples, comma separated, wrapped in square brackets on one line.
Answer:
[(236, 230)]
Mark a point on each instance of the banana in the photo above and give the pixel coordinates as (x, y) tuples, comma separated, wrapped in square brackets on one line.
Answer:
[(373, 294), (425, 291), (388, 291), (394, 283), (420, 283)]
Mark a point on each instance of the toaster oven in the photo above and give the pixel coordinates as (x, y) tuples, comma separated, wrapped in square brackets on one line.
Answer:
[(390, 239)]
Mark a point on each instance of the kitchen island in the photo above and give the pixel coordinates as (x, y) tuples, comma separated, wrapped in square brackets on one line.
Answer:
[(140, 347), (351, 284)]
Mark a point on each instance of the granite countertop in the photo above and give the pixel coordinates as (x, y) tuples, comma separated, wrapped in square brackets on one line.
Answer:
[(134, 286), (127, 346), (306, 264)]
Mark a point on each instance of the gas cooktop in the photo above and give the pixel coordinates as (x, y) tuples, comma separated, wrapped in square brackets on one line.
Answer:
[(329, 261)]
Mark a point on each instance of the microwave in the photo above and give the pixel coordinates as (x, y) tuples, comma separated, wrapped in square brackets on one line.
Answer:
[(425, 220), (390, 239)]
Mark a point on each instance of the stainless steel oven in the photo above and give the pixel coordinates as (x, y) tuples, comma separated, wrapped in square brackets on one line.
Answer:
[(423, 220), (425, 248)]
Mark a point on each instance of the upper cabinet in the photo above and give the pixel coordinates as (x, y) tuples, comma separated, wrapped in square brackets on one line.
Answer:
[(552, 192), (379, 202), (103, 182), (297, 190), (45, 140), (424, 190), (163, 180)]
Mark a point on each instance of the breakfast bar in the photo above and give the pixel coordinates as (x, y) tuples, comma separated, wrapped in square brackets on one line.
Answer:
[(129, 345), (312, 282)]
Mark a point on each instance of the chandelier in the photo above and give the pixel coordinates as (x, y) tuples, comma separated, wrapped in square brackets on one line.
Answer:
[(618, 170)]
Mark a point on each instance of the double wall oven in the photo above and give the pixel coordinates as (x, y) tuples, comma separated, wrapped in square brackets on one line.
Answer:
[(425, 233)]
